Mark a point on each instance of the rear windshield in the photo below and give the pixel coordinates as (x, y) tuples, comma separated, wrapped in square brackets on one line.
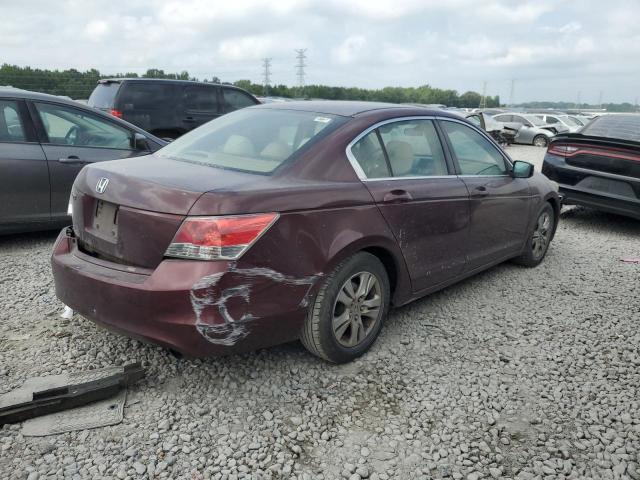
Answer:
[(624, 127), (251, 140), (103, 95)]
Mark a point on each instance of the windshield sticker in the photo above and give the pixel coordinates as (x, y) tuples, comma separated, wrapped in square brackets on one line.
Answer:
[(322, 119)]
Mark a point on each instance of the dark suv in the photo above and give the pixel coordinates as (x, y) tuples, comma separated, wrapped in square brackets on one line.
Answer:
[(167, 108)]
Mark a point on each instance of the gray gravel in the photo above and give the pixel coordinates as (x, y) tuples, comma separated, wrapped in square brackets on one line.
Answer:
[(515, 373)]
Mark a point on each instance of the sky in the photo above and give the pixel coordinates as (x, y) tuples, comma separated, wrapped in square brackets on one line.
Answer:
[(551, 50)]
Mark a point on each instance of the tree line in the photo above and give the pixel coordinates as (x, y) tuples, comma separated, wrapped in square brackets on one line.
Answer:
[(79, 85)]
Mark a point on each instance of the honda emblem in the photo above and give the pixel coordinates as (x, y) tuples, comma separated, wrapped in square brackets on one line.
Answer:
[(101, 186)]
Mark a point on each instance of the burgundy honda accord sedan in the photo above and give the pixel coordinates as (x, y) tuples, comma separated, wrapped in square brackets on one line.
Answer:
[(294, 221)]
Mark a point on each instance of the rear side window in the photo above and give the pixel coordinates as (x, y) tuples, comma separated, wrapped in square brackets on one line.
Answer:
[(104, 95), (201, 98), (412, 149), (235, 99), (552, 120), (475, 154), (370, 156), (147, 96), (11, 128)]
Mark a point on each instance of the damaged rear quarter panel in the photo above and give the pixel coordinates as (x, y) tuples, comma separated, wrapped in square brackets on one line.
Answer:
[(268, 291)]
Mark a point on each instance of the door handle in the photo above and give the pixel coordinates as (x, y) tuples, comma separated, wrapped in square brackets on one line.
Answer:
[(397, 196), (480, 191), (190, 120), (72, 159)]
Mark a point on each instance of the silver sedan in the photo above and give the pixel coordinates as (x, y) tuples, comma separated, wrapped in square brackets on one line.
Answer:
[(531, 129)]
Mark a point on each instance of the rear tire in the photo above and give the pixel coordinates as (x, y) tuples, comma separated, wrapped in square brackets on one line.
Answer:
[(348, 312), (539, 238), (540, 141)]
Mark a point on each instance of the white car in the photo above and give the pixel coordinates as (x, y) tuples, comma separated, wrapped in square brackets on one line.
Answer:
[(565, 120)]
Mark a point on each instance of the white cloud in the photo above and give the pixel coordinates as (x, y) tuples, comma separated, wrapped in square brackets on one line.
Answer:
[(96, 30), (349, 50), (369, 43)]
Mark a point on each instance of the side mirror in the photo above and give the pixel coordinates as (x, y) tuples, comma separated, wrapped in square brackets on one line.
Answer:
[(140, 142), (522, 169)]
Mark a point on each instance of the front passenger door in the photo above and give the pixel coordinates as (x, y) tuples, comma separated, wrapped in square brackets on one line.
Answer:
[(72, 139), (499, 204), (24, 176)]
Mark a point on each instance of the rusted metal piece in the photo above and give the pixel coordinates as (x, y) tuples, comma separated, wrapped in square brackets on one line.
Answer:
[(70, 396)]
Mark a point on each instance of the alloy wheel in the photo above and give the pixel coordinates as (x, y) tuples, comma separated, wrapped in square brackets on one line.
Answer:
[(357, 309), (541, 235)]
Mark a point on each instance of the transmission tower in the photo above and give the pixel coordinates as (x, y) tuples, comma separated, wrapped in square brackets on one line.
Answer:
[(483, 100), (266, 64), (513, 89), (300, 56)]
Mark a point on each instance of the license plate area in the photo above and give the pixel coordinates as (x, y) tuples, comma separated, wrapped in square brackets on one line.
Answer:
[(105, 220)]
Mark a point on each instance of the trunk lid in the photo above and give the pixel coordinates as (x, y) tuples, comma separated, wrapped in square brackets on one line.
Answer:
[(618, 157), (131, 218)]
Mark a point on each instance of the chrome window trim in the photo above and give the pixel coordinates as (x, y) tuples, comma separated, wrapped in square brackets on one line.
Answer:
[(363, 177), (356, 166)]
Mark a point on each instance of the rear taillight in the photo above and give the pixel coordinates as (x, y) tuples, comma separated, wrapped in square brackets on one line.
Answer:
[(218, 238), (562, 150), (116, 113)]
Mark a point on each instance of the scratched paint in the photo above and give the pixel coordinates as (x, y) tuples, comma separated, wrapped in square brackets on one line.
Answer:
[(204, 293)]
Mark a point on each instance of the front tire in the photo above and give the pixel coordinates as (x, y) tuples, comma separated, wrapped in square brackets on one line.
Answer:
[(349, 310), (539, 239), (540, 141)]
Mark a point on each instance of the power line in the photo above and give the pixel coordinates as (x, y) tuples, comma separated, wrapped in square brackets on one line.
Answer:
[(300, 56), (266, 64)]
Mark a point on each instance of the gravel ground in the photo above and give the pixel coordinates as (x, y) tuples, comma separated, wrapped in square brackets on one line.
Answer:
[(515, 373)]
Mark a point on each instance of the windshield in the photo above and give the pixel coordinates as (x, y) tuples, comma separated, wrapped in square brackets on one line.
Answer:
[(535, 120), (250, 140)]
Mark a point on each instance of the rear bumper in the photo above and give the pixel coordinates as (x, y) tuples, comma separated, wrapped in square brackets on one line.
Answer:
[(576, 187), (196, 308), (598, 201)]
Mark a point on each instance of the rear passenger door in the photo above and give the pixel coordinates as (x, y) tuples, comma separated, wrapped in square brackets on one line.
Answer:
[(499, 204), (201, 105), (405, 168), (24, 176), (72, 138)]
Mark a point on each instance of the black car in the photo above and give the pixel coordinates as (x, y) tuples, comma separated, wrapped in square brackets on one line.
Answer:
[(167, 108), (44, 142), (600, 166)]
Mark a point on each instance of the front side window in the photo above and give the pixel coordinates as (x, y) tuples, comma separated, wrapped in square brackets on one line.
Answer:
[(251, 140), (235, 99), (201, 98), (475, 154), (69, 126), (552, 120), (11, 129)]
